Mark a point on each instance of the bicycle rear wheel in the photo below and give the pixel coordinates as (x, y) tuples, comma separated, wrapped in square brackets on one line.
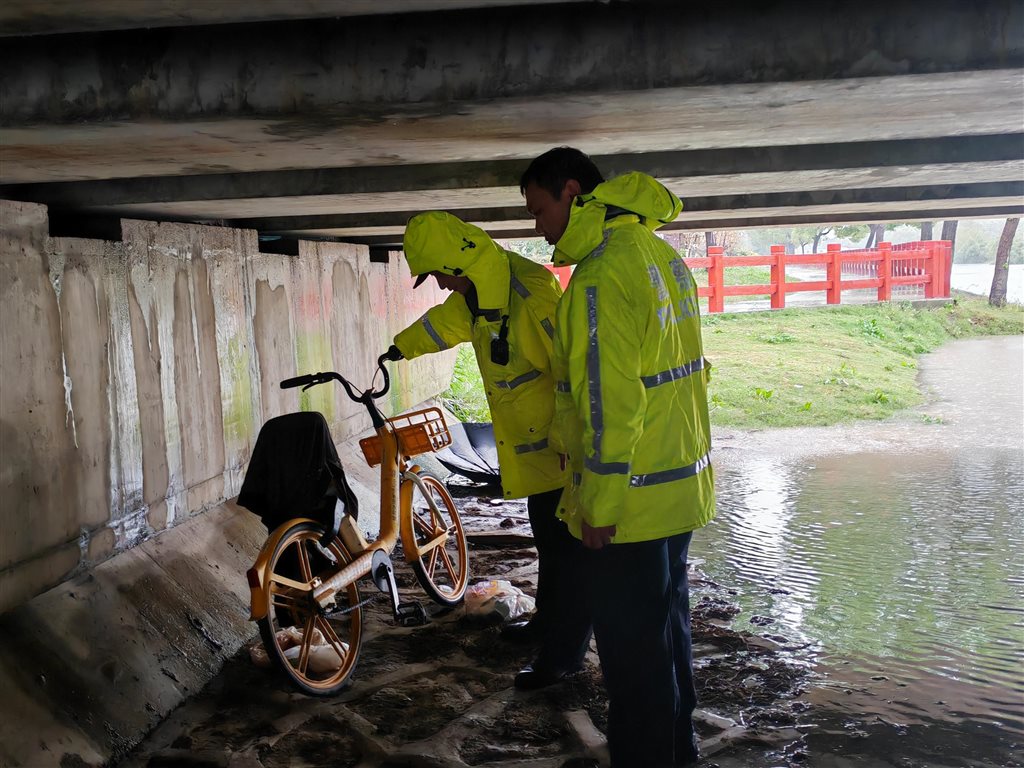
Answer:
[(443, 571), (316, 648)]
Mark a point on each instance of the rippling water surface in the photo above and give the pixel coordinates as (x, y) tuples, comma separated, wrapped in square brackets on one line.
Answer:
[(895, 553)]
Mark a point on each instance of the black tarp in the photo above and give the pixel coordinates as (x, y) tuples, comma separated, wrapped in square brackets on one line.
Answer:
[(472, 453), (295, 472)]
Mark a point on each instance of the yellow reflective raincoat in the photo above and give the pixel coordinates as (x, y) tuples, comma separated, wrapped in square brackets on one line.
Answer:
[(515, 298), (631, 406)]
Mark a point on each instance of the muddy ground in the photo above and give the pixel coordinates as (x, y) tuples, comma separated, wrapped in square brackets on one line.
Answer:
[(442, 695)]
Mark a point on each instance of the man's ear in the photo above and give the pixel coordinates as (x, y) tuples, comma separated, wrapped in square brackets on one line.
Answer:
[(572, 188)]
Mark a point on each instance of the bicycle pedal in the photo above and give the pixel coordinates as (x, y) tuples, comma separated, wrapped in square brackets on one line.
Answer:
[(411, 615)]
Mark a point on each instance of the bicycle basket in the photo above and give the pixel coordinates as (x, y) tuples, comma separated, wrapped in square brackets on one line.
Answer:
[(418, 432)]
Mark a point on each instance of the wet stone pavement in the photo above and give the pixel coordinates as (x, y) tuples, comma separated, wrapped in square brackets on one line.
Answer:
[(442, 695)]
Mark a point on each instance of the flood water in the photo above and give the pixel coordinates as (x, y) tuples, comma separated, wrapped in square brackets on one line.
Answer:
[(893, 554)]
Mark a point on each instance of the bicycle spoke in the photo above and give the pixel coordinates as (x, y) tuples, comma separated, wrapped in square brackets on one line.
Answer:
[(307, 641), (423, 526), (284, 581), (307, 572), (332, 638), (281, 600), (433, 562), (452, 572)]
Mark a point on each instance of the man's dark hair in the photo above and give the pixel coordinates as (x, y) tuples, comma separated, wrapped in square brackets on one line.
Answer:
[(551, 170)]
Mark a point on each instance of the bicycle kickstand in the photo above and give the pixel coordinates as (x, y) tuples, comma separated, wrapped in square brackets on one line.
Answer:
[(409, 614)]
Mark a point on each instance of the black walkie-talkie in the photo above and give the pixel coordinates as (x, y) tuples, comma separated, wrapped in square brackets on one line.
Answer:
[(499, 344)]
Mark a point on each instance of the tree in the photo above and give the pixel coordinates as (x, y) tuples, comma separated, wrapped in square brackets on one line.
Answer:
[(851, 231), (694, 244), (949, 233), (875, 234), (534, 249), (811, 234), (997, 295)]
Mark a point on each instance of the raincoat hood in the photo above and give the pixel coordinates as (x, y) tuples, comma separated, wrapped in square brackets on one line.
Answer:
[(632, 193), (439, 242)]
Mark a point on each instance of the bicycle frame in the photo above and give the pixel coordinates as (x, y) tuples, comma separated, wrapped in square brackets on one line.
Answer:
[(395, 496)]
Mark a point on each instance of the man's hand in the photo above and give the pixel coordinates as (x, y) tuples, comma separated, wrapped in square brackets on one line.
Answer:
[(596, 538)]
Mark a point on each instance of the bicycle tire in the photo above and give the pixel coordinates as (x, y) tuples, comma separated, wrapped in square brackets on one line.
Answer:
[(299, 550), (443, 572)]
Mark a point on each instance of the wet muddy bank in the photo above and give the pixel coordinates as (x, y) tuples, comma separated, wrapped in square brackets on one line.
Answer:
[(442, 695)]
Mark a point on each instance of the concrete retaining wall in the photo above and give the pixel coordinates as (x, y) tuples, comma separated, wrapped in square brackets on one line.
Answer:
[(136, 375)]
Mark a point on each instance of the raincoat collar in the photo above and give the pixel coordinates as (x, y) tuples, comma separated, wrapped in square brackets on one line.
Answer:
[(643, 196), (439, 242)]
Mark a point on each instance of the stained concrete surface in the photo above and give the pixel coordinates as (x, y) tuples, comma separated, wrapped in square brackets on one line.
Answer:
[(276, 119), (137, 372)]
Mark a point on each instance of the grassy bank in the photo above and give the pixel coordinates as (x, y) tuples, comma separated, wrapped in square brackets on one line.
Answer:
[(798, 367), (804, 367)]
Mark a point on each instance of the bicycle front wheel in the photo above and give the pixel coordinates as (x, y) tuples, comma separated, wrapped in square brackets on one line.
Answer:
[(442, 571), (316, 647)]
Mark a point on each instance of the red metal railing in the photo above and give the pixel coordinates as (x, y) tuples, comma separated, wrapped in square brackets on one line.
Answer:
[(562, 273), (884, 268)]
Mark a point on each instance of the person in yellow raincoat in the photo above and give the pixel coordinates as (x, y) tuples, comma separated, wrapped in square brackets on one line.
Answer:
[(632, 416), (504, 305)]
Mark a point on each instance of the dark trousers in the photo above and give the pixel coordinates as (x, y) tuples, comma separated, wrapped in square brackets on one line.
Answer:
[(561, 600), (640, 600)]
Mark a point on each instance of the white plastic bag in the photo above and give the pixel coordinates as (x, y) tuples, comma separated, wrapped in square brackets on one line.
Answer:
[(498, 598), (323, 657)]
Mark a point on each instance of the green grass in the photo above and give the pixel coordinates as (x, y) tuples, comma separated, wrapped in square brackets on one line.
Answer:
[(465, 397), (806, 367), (742, 276)]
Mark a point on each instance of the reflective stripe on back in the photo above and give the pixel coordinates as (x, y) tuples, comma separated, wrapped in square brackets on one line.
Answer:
[(594, 463), (601, 468), (673, 373), (670, 475)]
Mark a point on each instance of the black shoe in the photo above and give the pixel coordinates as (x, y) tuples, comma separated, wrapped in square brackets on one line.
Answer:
[(521, 632), (530, 678)]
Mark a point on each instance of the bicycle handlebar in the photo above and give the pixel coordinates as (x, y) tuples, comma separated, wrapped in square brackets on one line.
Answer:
[(312, 379), (301, 381)]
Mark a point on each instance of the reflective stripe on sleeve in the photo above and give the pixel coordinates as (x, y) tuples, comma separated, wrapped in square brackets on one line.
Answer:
[(670, 475), (518, 380), (433, 334), (519, 288), (600, 248), (540, 445), (673, 373), (549, 329)]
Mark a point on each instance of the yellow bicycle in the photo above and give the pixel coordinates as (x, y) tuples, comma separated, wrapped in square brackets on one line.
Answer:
[(304, 590)]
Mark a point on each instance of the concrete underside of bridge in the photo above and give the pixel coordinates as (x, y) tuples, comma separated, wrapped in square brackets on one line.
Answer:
[(151, 160), (754, 113)]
